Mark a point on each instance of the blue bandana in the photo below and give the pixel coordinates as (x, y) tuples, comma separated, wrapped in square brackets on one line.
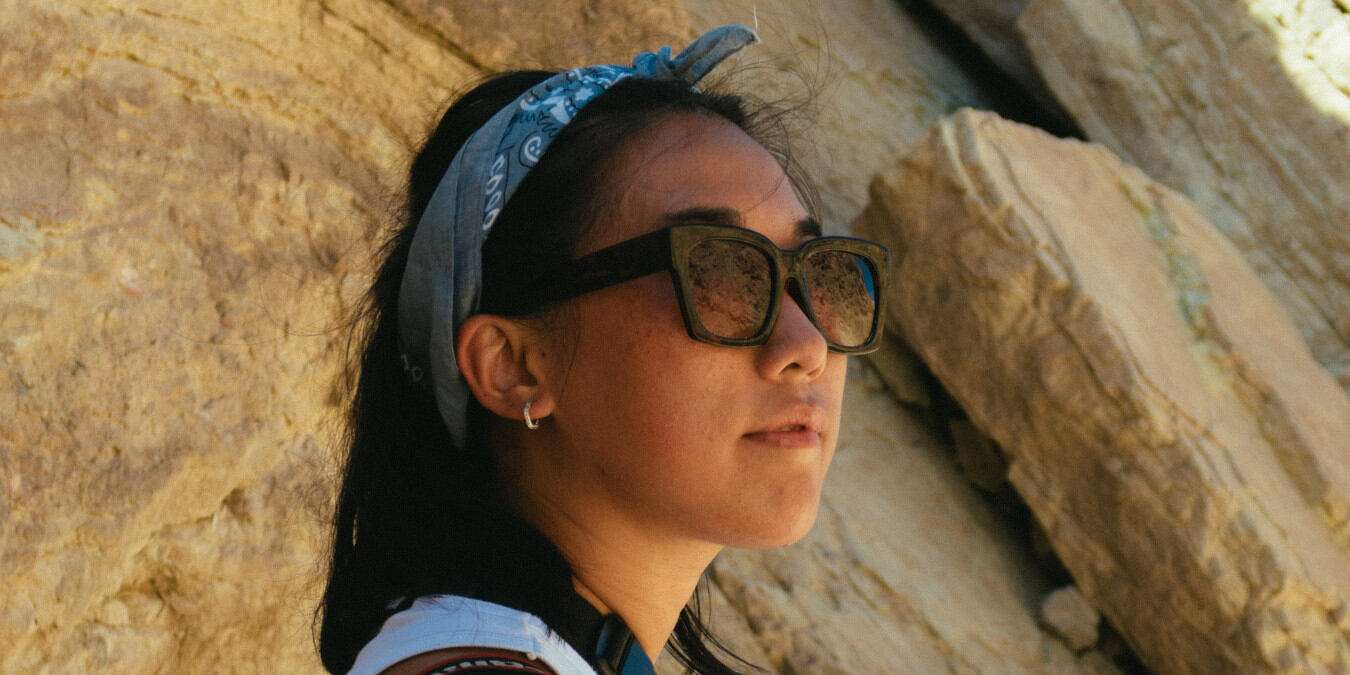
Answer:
[(441, 285)]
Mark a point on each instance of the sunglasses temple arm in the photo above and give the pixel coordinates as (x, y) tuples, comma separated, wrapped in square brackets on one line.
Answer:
[(616, 264)]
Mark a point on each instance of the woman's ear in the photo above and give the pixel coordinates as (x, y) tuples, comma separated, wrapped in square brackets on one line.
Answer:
[(492, 355)]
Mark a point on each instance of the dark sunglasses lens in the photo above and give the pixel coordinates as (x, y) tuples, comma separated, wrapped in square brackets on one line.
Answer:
[(843, 295), (732, 281)]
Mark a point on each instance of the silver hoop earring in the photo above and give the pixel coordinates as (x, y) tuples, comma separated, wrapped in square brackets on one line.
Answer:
[(529, 423)]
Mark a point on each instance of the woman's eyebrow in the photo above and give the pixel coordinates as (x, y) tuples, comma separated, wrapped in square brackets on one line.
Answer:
[(806, 228), (809, 228), (704, 215)]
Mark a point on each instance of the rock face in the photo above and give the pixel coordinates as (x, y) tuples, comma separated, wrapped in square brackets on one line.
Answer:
[(493, 36), (1164, 421), (1244, 107), (188, 196)]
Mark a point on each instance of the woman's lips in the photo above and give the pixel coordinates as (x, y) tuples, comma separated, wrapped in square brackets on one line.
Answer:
[(787, 439)]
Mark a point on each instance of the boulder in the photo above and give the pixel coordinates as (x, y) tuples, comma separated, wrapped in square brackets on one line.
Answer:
[(1163, 419), (1242, 106), (1069, 615)]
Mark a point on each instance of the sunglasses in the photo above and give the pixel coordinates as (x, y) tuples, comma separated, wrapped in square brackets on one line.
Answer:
[(730, 282)]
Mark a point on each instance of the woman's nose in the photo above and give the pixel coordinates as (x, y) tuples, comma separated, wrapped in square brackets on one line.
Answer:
[(796, 349)]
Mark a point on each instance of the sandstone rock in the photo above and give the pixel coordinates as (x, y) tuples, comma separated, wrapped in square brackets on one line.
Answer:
[(1163, 419), (187, 200), (1068, 613), (556, 34), (1244, 107)]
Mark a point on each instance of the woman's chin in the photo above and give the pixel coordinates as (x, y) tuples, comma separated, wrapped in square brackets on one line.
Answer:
[(782, 530)]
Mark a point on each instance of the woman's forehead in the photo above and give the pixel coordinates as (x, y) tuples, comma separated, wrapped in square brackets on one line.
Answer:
[(694, 165)]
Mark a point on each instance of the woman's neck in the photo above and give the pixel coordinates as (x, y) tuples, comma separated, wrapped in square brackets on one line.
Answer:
[(618, 565)]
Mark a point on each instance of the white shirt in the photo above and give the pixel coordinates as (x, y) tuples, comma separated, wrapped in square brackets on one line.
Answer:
[(440, 621)]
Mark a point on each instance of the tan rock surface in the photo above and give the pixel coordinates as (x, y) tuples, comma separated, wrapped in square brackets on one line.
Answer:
[(547, 34), (1244, 107), (188, 193), (1164, 420), (187, 205)]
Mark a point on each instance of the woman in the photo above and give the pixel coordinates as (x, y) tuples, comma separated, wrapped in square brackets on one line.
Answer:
[(550, 441)]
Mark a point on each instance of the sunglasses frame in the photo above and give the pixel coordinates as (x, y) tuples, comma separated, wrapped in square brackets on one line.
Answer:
[(669, 248)]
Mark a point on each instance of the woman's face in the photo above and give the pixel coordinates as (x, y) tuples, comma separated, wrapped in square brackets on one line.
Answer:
[(657, 422)]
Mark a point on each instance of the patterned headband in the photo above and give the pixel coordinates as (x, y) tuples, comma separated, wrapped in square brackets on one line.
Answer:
[(443, 279)]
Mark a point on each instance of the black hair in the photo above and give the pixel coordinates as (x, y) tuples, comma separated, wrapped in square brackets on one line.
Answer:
[(414, 514)]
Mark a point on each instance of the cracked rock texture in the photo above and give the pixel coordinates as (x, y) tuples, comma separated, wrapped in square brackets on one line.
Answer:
[(1242, 106), (1163, 418), (189, 197)]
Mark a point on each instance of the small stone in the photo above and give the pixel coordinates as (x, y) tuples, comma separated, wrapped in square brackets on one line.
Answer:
[(1066, 612)]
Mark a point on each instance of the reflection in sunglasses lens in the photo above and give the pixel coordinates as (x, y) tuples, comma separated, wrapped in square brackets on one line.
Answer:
[(732, 281), (843, 295)]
